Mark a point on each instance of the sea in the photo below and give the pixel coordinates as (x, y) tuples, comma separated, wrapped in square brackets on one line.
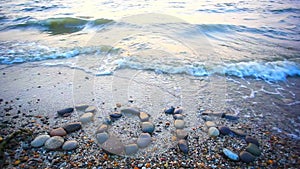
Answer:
[(248, 52)]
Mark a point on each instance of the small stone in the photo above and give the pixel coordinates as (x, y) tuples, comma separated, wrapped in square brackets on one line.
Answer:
[(102, 128), (178, 117), (253, 149), (230, 117), (115, 115), (65, 112), (131, 149), (81, 107), (92, 109), (147, 127), (102, 137), (130, 111), (118, 105), (238, 132), (113, 146), (86, 117), (170, 110), (210, 124), (179, 124), (181, 134), (252, 140), (71, 127), (144, 116), (207, 118), (40, 140), (246, 157), (213, 132), (230, 154), (58, 132), (224, 130), (70, 145), (144, 140), (107, 120), (182, 144), (178, 110), (54, 143)]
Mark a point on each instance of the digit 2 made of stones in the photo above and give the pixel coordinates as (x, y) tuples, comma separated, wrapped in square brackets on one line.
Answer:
[(112, 144)]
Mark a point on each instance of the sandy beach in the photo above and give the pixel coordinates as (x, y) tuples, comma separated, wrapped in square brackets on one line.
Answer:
[(31, 95)]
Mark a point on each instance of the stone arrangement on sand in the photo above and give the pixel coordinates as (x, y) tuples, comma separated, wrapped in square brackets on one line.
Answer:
[(112, 144)]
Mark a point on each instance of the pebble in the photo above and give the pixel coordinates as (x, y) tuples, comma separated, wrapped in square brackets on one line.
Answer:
[(224, 130), (91, 109), (170, 110), (230, 154), (207, 118), (58, 132), (116, 115), (40, 140), (238, 132), (144, 140), (147, 127), (54, 143), (182, 144), (113, 145), (81, 107), (65, 112), (181, 134), (178, 117), (86, 117), (210, 124), (246, 157), (130, 111), (70, 145), (144, 116), (131, 149), (213, 132), (102, 128), (179, 124), (230, 117), (107, 120), (178, 110), (253, 149), (249, 139), (71, 127), (102, 137)]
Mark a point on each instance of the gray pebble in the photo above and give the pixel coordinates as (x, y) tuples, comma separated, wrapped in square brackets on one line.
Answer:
[(131, 149), (70, 145), (147, 127), (130, 111), (91, 109), (183, 146), (178, 117), (144, 140), (144, 116), (65, 112), (54, 143), (224, 130), (86, 117), (113, 145), (249, 139), (102, 128), (40, 140), (102, 137), (81, 107), (213, 132), (210, 124), (181, 134), (253, 149), (246, 157), (179, 124)]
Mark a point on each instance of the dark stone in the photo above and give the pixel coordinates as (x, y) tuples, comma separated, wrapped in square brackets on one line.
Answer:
[(182, 144), (253, 149), (224, 130), (230, 117), (170, 110), (71, 127), (115, 115), (246, 157), (252, 140), (178, 117), (65, 111), (239, 132)]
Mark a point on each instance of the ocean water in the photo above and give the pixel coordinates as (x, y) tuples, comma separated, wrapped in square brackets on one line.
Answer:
[(238, 53)]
